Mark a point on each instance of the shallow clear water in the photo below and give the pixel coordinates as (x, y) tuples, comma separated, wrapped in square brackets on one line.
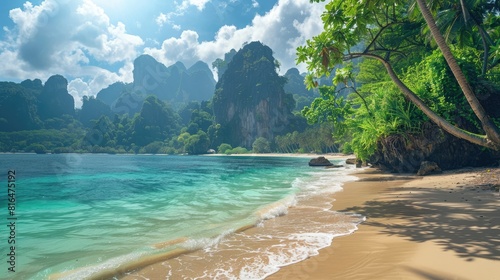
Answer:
[(86, 213)]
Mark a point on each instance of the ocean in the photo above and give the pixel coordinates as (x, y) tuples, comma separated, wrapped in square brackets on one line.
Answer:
[(88, 216)]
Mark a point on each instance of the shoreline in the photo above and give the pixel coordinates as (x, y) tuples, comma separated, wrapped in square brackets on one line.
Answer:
[(304, 155), (435, 227), (245, 252)]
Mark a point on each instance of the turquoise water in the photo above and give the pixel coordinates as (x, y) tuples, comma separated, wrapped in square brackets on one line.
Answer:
[(82, 214)]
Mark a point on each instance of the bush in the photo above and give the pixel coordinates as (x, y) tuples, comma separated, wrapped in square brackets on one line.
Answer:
[(237, 150), (168, 150), (223, 148), (261, 145), (63, 150), (347, 148), (197, 144), (37, 148), (152, 148)]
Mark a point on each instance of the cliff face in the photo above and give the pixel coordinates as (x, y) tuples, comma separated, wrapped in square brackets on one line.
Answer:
[(54, 100), (249, 100), (404, 154), (110, 94), (18, 107), (201, 82), (221, 64), (295, 83), (174, 84)]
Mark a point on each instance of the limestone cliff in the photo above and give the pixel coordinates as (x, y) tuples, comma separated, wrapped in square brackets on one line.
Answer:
[(249, 100), (54, 100), (295, 83), (110, 94), (18, 107), (175, 83)]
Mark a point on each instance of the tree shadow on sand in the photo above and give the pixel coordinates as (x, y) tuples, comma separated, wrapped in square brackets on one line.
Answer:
[(452, 222)]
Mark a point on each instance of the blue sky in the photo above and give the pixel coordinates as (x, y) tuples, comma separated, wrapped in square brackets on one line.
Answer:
[(93, 43)]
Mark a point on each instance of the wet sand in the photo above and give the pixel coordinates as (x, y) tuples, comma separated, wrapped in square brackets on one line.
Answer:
[(443, 226)]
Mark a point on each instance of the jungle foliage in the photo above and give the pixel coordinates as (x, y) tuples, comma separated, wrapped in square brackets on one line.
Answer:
[(400, 79)]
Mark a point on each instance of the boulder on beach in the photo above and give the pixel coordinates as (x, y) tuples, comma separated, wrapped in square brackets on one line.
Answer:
[(320, 161), (350, 161), (428, 167)]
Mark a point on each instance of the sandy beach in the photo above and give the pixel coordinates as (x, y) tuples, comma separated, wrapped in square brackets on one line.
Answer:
[(444, 226)]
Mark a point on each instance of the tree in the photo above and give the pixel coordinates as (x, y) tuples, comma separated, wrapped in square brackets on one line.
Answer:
[(468, 22), (349, 23), (152, 148), (261, 145), (156, 122), (37, 148), (223, 148), (197, 144), (492, 138)]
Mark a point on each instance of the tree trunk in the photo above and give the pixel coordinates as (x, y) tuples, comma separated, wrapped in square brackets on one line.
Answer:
[(491, 130), (486, 47), (484, 35)]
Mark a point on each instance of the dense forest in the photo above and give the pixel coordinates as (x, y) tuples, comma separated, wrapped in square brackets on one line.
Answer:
[(171, 110)]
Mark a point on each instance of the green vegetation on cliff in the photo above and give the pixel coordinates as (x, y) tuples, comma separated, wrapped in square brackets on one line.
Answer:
[(250, 111)]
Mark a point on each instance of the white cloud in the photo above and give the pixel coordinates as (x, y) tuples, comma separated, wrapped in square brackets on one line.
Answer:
[(285, 27), (161, 19), (68, 37), (255, 4), (78, 88), (100, 78), (199, 4), (61, 36), (177, 49)]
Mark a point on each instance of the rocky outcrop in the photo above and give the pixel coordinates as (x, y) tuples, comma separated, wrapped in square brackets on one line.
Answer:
[(110, 94), (35, 84), (150, 77), (54, 100), (320, 161), (92, 109), (221, 64), (295, 83), (174, 84), (249, 100), (350, 161), (18, 108), (201, 83), (427, 168), (404, 154)]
